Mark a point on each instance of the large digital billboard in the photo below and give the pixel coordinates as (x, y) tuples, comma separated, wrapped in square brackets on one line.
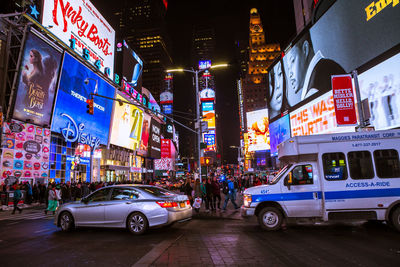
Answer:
[(258, 130), (154, 148), (316, 117), (80, 23), (37, 81), (129, 66), (209, 117), (127, 124), (381, 86), (343, 39), (279, 131), (70, 117), (144, 144), (25, 151)]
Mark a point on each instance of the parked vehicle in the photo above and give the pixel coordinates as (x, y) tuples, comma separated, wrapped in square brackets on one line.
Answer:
[(351, 176), (136, 207)]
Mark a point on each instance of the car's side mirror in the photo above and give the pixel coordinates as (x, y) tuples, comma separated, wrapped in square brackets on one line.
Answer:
[(288, 180)]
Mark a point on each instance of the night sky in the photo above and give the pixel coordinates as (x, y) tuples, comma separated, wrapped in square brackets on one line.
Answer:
[(231, 21)]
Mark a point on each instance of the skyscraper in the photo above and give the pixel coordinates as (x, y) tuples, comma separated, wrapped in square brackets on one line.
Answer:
[(142, 25), (261, 55)]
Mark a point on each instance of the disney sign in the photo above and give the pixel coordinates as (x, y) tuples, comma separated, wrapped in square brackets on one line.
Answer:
[(74, 133)]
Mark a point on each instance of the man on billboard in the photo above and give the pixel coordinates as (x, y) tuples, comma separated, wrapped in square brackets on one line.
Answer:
[(307, 72)]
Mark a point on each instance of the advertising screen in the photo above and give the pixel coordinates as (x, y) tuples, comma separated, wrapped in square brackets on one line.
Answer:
[(80, 22), (207, 106), (204, 64), (381, 85), (279, 131), (144, 144), (155, 139), (209, 117), (165, 148), (207, 94), (167, 109), (327, 48), (70, 117), (316, 117), (257, 129), (37, 81), (127, 124), (129, 66), (209, 139), (26, 150)]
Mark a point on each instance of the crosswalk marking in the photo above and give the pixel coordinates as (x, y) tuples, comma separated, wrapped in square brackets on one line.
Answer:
[(25, 215)]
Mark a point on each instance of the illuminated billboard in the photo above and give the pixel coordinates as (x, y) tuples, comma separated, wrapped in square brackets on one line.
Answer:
[(207, 106), (154, 147), (70, 117), (328, 48), (209, 140), (127, 125), (316, 117), (78, 23), (279, 131), (381, 85), (209, 117), (204, 64), (129, 66), (257, 130), (37, 81), (207, 94)]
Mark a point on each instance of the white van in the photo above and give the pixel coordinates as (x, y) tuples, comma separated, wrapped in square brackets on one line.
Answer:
[(351, 176)]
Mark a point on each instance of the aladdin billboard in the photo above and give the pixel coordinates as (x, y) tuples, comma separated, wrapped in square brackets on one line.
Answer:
[(330, 47), (70, 117), (257, 130), (37, 81), (81, 26), (127, 125)]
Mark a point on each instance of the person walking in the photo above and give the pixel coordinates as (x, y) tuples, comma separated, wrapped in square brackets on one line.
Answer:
[(52, 200), (187, 189), (17, 197), (209, 195), (197, 195), (231, 194), (216, 193)]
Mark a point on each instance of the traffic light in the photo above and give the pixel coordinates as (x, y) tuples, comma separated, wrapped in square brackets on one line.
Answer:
[(90, 108)]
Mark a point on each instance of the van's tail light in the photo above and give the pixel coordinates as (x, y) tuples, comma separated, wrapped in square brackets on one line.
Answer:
[(167, 204), (247, 200)]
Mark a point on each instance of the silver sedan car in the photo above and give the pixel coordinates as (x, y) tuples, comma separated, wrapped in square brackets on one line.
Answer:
[(136, 207)]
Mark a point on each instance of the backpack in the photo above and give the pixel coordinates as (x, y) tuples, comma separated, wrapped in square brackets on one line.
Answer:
[(225, 189)]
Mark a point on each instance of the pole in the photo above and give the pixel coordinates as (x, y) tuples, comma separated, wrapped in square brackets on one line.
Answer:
[(359, 105), (91, 165), (196, 72)]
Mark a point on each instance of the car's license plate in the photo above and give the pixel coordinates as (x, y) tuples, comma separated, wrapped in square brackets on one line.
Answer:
[(182, 204)]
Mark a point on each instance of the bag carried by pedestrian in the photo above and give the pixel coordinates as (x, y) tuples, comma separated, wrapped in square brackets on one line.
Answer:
[(197, 203)]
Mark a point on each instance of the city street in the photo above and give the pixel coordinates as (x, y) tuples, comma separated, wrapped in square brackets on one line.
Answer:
[(31, 239)]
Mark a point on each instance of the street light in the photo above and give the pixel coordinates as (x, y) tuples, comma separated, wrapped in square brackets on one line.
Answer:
[(196, 74)]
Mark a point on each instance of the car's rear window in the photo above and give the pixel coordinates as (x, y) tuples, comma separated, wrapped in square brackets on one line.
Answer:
[(156, 191)]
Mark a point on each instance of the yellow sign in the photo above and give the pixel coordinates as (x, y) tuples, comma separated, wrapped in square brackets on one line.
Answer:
[(127, 124), (375, 7)]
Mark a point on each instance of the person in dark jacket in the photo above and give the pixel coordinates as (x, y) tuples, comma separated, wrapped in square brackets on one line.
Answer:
[(216, 193), (187, 189), (78, 192), (17, 197), (209, 195)]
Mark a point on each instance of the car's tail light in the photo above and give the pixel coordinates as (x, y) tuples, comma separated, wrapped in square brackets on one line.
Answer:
[(188, 202), (167, 204)]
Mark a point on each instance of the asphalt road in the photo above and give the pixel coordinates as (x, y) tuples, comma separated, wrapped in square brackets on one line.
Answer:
[(31, 239)]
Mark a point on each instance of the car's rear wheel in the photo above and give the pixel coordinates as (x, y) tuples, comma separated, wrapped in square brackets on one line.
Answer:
[(395, 219), (66, 221), (270, 219), (137, 223)]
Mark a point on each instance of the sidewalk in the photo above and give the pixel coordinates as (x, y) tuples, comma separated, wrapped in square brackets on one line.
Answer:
[(23, 206)]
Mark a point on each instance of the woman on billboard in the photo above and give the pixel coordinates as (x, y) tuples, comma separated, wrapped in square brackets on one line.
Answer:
[(277, 90)]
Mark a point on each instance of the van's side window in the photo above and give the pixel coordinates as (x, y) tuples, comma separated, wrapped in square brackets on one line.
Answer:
[(302, 174), (360, 165), (334, 166), (387, 163)]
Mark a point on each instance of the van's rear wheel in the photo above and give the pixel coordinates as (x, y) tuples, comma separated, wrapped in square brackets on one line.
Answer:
[(395, 219), (270, 219)]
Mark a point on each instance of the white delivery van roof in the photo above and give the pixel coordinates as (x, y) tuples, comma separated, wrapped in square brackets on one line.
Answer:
[(303, 145)]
